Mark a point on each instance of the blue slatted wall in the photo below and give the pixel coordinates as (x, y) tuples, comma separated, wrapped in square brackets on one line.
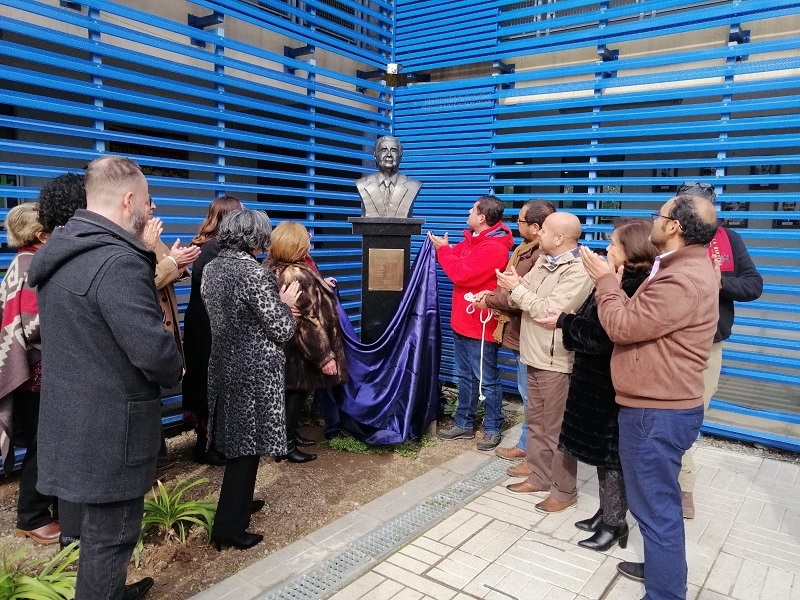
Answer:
[(604, 108)]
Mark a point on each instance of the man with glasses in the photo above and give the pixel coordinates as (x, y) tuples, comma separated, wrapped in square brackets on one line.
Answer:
[(529, 222), (662, 339), (739, 281)]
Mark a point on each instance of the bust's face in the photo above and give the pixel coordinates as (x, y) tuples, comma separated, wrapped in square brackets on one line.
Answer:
[(387, 155)]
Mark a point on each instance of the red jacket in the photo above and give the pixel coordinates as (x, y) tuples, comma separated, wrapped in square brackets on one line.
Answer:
[(470, 265)]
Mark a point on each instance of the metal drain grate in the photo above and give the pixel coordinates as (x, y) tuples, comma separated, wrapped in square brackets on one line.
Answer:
[(332, 572)]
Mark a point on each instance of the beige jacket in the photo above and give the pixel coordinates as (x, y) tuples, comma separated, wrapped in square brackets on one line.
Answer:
[(166, 274), (565, 288)]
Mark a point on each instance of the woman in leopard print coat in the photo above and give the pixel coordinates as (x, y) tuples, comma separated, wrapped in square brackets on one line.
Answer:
[(250, 321)]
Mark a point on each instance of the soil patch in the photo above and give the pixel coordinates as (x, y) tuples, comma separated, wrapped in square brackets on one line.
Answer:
[(300, 499)]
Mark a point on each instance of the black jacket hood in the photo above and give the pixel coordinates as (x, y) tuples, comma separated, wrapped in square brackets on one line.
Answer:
[(84, 232)]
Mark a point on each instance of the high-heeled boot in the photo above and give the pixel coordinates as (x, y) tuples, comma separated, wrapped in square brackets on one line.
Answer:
[(606, 536), (592, 523)]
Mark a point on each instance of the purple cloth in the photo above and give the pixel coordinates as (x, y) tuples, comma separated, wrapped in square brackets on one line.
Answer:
[(393, 392)]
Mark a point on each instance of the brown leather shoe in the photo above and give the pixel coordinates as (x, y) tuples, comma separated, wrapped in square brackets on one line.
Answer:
[(687, 502), (519, 470), (550, 505), (512, 453), (46, 534), (523, 487)]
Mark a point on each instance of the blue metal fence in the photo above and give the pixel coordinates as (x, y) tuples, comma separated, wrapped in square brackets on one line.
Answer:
[(603, 107)]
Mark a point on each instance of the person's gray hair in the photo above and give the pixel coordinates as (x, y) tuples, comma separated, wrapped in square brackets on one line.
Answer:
[(245, 230)]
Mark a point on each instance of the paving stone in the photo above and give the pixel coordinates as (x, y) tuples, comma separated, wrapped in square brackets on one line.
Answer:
[(778, 584), (341, 532), (625, 589), (549, 565), (466, 530), (489, 578), (449, 525), (723, 574), (432, 545), (448, 577), (408, 563), (386, 590), (415, 582), (466, 463), (408, 594), (513, 516), (500, 543), (710, 595), (359, 587), (765, 546), (749, 581), (601, 580), (419, 553)]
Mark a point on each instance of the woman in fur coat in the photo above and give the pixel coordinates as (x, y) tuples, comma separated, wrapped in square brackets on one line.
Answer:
[(315, 354), (589, 431)]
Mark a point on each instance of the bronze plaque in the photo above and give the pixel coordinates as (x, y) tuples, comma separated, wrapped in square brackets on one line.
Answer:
[(386, 270)]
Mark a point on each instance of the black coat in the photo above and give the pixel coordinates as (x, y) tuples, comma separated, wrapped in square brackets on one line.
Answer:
[(197, 338), (105, 353), (589, 431), (743, 284)]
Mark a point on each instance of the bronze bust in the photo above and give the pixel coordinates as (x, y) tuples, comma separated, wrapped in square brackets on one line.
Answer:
[(387, 193)]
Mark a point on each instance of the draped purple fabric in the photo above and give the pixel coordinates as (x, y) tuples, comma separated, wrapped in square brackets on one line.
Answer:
[(393, 392)]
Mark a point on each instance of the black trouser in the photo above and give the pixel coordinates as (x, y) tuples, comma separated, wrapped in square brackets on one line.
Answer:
[(108, 536), (235, 497), (70, 515), (294, 404), (33, 508)]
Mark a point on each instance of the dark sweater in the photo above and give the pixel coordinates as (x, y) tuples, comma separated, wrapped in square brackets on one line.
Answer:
[(743, 284)]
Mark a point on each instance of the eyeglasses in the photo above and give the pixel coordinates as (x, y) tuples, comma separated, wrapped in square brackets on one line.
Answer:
[(521, 222), (657, 215), (691, 184), (705, 190)]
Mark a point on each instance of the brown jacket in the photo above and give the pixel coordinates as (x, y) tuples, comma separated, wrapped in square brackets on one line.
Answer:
[(166, 274), (663, 333), (498, 300)]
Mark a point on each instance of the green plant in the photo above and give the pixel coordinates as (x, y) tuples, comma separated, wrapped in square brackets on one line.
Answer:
[(345, 443), (38, 579), (451, 404), (171, 516), (411, 448)]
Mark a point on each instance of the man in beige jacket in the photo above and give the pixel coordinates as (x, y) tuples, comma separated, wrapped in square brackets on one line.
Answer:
[(557, 281)]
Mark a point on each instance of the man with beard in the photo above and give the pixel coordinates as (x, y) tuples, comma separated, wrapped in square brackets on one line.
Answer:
[(662, 339), (107, 353)]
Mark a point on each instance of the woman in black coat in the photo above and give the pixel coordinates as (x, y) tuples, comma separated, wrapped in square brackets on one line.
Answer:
[(589, 431), (315, 354), (197, 333)]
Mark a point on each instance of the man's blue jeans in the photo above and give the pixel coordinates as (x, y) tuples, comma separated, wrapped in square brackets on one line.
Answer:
[(468, 364), (651, 445), (522, 386)]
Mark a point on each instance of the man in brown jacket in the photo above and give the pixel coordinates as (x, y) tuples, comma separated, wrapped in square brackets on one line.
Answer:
[(662, 336), (529, 222)]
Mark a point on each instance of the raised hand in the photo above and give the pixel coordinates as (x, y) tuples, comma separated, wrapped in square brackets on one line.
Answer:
[(152, 233), (183, 257)]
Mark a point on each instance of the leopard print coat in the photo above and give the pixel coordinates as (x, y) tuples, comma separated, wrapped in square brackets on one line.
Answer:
[(249, 325)]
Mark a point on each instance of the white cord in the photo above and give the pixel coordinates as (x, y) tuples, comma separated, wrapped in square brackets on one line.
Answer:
[(484, 320)]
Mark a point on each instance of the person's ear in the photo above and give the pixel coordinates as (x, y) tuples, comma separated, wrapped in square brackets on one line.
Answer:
[(42, 236)]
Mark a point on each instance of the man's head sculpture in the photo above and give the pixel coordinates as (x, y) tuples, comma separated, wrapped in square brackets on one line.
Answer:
[(387, 193)]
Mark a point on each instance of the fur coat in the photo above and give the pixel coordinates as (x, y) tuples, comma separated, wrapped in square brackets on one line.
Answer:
[(589, 431), (249, 325), (318, 337)]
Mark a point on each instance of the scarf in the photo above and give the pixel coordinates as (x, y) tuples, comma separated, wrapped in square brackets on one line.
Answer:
[(720, 247), (503, 318)]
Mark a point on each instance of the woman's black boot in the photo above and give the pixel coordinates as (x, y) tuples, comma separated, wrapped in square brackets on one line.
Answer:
[(242, 541), (592, 523), (303, 441), (605, 537), (296, 456)]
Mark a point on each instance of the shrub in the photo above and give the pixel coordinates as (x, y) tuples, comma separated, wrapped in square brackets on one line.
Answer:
[(38, 579)]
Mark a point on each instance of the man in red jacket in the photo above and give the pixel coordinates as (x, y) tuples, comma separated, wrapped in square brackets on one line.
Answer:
[(662, 339), (470, 265)]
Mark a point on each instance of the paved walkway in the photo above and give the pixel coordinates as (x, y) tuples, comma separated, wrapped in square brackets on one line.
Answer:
[(744, 542)]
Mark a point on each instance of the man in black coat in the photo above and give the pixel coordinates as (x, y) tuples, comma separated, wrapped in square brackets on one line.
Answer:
[(107, 353)]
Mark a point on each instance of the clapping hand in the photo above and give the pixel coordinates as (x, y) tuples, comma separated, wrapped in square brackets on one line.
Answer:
[(508, 280), (289, 295), (549, 322), (152, 233), (479, 299), (595, 266), (183, 257)]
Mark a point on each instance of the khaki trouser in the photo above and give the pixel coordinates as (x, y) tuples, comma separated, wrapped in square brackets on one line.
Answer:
[(688, 474)]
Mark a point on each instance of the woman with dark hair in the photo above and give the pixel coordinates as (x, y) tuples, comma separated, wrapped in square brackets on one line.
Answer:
[(250, 321), (590, 431), (197, 333), (315, 354)]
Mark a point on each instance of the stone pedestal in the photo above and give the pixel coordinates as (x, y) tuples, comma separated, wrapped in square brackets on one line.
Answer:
[(385, 269)]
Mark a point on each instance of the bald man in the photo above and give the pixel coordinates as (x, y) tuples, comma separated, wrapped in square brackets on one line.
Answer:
[(662, 339), (557, 281), (106, 354)]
